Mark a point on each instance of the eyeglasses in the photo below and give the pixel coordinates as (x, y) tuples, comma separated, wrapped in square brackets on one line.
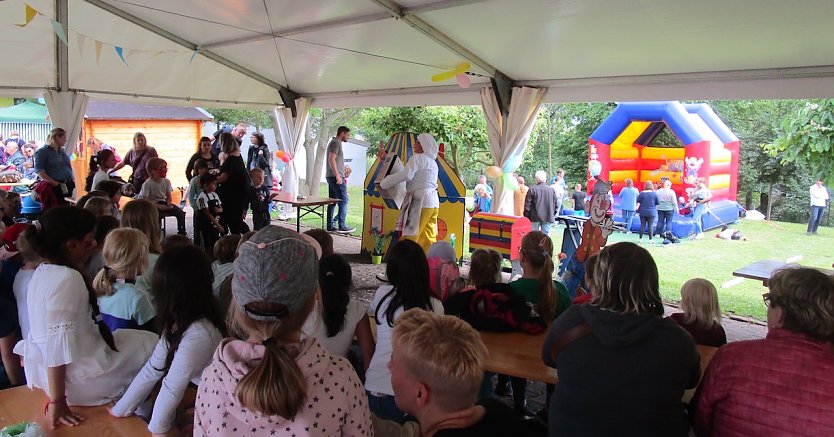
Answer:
[(767, 299)]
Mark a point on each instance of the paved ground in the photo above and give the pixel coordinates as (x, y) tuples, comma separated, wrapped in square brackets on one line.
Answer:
[(365, 282)]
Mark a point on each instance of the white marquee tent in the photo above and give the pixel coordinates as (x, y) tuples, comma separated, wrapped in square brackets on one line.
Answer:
[(334, 53), (384, 52)]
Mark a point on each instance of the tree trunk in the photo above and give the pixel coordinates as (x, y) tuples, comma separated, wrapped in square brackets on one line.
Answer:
[(769, 200), (320, 150), (748, 200)]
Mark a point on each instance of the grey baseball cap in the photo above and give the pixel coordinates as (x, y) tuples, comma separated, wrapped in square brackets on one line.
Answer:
[(276, 266)]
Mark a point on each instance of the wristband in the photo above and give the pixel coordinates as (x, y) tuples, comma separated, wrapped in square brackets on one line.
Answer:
[(52, 402)]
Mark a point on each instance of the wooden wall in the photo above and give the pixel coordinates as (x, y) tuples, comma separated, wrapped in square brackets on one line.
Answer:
[(174, 140)]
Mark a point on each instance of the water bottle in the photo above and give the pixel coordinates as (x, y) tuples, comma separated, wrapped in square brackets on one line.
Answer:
[(452, 239)]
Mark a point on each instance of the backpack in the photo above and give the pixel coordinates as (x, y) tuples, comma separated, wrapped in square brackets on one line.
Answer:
[(496, 308)]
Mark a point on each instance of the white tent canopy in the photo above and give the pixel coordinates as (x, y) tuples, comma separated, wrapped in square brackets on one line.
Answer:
[(384, 52)]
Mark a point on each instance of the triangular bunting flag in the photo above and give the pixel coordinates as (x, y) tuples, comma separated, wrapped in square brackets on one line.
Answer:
[(30, 15), (59, 30), (120, 52), (98, 50)]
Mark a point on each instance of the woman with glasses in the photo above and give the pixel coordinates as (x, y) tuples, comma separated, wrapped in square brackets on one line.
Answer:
[(784, 383)]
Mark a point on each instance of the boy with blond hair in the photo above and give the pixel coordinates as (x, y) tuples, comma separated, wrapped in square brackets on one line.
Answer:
[(158, 190), (437, 366)]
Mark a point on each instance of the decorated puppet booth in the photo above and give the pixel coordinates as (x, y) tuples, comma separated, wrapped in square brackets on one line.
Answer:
[(622, 148), (381, 213)]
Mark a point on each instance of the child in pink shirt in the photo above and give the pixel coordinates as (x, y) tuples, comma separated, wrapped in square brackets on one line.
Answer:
[(273, 383)]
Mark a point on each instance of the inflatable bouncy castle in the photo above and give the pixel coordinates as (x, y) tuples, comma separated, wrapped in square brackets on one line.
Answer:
[(621, 148)]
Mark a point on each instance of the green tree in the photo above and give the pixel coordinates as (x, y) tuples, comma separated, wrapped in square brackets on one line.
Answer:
[(808, 138), (255, 117)]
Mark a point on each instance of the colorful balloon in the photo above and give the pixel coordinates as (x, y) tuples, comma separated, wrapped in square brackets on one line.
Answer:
[(510, 182), (494, 172), (280, 154), (463, 80), (512, 163), (285, 158)]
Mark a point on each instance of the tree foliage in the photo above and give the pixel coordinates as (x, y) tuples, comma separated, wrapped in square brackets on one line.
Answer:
[(255, 117), (808, 138)]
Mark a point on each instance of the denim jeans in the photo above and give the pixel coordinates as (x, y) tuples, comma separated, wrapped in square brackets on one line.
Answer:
[(544, 227), (647, 223), (628, 217), (337, 191), (696, 215), (664, 221), (816, 218), (384, 407)]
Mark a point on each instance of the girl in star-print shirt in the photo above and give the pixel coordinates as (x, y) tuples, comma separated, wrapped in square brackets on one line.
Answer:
[(274, 383)]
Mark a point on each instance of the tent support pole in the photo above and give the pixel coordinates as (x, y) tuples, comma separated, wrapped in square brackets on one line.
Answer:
[(61, 49)]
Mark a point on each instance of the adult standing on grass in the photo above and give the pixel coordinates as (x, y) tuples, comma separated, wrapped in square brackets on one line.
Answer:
[(137, 158), (336, 183), (819, 200), (238, 132), (699, 201), (628, 203), (667, 204), (540, 204), (647, 210)]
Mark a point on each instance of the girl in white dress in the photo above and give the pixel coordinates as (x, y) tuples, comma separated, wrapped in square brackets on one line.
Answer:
[(69, 352)]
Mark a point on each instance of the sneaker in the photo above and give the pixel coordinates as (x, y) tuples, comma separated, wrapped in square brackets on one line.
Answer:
[(346, 230), (331, 229), (382, 277), (699, 236)]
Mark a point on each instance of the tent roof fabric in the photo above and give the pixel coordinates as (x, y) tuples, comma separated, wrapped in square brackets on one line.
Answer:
[(26, 112), (384, 52), (104, 110)]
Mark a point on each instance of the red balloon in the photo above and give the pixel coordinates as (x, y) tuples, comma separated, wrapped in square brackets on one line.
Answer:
[(285, 158)]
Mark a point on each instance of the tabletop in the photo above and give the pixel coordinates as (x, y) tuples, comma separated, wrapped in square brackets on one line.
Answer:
[(759, 270), (306, 201), (20, 404), (517, 354)]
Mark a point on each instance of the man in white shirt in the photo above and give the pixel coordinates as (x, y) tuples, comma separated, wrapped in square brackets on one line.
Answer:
[(819, 199)]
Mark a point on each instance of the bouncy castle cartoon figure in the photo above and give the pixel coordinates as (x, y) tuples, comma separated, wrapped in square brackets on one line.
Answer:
[(625, 149)]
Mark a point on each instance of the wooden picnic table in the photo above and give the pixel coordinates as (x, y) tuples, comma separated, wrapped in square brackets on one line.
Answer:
[(20, 404), (306, 205), (764, 269)]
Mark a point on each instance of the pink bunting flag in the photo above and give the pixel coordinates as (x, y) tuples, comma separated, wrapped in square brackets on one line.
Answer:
[(463, 80)]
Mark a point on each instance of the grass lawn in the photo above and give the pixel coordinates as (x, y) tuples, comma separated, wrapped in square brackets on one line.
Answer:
[(710, 258)]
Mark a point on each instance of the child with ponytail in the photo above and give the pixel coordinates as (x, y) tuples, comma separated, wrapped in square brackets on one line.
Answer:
[(192, 327), (275, 381), (548, 297), (69, 352), (125, 255)]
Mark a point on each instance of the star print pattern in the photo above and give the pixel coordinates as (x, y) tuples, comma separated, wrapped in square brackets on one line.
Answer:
[(335, 405)]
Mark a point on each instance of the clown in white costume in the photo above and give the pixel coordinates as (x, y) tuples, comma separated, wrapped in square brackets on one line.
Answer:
[(418, 213)]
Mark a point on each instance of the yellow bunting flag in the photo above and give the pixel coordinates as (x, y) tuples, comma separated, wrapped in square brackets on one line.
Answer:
[(30, 15), (98, 50)]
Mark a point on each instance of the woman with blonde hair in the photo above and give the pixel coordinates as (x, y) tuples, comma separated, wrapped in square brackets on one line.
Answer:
[(122, 304), (53, 165), (142, 215), (782, 384), (137, 158), (701, 315), (618, 354), (274, 379)]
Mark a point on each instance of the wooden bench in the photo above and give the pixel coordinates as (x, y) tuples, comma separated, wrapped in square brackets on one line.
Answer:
[(21, 404)]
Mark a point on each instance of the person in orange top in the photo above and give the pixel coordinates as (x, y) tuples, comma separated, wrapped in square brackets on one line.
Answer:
[(519, 196)]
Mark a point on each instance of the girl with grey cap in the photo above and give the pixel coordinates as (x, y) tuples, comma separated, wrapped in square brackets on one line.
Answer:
[(273, 382)]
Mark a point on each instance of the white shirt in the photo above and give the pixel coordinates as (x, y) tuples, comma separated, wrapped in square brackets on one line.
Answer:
[(378, 378), (192, 356), (221, 272), (155, 191), (100, 175), (21, 294), (340, 343), (420, 176), (62, 332), (818, 195)]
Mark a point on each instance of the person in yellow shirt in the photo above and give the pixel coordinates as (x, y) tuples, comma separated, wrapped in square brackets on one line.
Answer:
[(519, 196)]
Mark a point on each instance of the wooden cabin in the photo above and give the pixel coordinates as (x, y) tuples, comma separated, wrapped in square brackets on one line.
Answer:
[(173, 131)]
